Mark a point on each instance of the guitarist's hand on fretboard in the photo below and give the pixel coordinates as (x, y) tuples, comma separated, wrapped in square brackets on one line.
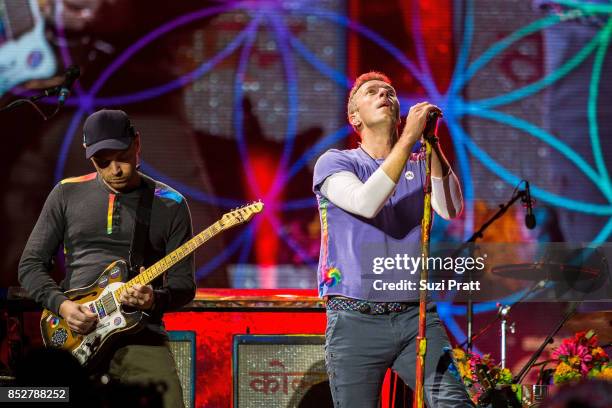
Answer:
[(138, 296), (79, 318)]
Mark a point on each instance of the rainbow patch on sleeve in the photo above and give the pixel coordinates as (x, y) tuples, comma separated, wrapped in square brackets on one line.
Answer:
[(172, 195), (79, 179)]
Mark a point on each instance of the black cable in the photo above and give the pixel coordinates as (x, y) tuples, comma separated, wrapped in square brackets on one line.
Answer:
[(36, 108)]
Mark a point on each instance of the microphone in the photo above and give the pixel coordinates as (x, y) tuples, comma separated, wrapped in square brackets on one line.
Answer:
[(530, 220), (430, 125), (72, 74)]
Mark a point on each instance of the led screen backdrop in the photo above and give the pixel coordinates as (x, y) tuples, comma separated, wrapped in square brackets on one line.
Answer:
[(235, 100)]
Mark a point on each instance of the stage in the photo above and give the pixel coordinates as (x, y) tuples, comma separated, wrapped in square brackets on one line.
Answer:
[(241, 119)]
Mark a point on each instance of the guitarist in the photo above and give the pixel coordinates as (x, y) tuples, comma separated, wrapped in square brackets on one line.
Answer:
[(93, 217)]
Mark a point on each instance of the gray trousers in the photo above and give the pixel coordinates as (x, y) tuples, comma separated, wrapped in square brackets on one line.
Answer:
[(359, 348)]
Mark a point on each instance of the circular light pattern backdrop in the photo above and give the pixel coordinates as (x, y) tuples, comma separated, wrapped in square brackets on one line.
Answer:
[(272, 16)]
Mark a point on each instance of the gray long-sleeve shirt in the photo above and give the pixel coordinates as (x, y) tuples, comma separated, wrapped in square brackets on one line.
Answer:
[(95, 226)]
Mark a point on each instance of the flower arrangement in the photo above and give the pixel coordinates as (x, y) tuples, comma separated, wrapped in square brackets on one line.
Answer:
[(479, 373), (581, 357)]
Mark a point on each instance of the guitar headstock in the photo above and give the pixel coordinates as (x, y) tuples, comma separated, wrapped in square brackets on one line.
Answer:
[(242, 214)]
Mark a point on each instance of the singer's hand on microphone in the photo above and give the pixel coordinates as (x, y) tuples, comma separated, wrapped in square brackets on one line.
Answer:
[(416, 121)]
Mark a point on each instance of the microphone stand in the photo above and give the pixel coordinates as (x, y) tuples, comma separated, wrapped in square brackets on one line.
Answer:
[(519, 377), (421, 340), (479, 234), (31, 100), (72, 74), (486, 328)]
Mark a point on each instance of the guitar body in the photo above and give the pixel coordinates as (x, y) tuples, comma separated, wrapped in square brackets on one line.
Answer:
[(113, 319)]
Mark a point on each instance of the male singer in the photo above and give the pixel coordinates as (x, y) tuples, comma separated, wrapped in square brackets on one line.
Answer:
[(371, 204)]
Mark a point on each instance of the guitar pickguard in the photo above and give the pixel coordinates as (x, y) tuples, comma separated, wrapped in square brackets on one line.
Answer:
[(111, 320)]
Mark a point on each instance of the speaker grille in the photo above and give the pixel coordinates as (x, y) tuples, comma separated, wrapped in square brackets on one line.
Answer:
[(276, 371), (182, 345)]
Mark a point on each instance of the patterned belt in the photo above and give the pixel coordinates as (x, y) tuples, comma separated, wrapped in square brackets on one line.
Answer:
[(365, 307)]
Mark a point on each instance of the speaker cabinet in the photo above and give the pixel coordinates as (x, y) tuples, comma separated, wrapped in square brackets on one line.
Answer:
[(182, 345), (284, 371)]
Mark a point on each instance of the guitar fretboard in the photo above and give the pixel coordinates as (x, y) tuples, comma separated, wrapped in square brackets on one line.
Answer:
[(174, 257)]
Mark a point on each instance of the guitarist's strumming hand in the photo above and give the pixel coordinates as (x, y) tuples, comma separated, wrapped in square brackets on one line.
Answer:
[(139, 296), (79, 318)]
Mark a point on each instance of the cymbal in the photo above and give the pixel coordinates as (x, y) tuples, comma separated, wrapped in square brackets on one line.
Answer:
[(546, 271), (600, 321)]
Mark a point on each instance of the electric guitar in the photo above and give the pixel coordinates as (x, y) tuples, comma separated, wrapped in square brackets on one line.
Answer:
[(25, 52), (102, 296)]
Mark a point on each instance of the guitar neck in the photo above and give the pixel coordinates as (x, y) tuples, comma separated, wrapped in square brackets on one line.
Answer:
[(174, 257)]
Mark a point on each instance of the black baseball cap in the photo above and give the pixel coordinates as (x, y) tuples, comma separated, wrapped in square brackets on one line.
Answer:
[(107, 129)]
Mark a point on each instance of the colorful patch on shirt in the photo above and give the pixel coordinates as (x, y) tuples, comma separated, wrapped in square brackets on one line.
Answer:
[(332, 277), (111, 210), (172, 195), (79, 179), (323, 203)]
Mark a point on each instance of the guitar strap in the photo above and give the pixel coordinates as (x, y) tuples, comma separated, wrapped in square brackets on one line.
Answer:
[(140, 233)]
